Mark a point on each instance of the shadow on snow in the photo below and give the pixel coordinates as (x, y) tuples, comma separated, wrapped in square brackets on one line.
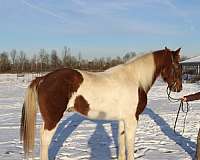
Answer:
[(185, 143), (98, 148)]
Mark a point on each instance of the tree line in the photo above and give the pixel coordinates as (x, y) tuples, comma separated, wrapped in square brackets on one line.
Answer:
[(44, 61)]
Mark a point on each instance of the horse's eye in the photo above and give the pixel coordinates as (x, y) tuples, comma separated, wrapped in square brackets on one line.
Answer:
[(164, 78)]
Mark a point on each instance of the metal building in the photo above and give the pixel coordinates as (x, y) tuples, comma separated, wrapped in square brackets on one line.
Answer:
[(191, 66)]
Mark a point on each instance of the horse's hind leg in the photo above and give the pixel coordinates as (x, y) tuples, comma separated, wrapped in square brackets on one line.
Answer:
[(121, 141), (45, 139)]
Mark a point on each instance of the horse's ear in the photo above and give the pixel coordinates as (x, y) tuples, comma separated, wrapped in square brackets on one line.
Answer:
[(166, 49), (177, 55), (178, 50)]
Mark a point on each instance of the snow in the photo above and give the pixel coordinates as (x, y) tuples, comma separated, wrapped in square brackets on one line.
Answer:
[(78, 138)]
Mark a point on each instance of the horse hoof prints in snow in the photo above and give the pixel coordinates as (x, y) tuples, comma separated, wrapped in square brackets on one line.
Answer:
[(95, 94)]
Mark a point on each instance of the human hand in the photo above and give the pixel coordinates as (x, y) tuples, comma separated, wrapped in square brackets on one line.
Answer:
[(184, 99)]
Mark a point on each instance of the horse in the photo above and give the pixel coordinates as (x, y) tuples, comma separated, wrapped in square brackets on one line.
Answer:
[(118, 93)]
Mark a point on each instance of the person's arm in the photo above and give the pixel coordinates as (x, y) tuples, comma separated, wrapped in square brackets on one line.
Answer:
[(191, 97)]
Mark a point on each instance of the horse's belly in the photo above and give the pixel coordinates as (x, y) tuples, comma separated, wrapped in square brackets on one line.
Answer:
[(110, 113), (111, 109), (100, 115)]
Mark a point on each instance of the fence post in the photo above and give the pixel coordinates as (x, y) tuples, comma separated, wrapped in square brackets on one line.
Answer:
[(198, 146)]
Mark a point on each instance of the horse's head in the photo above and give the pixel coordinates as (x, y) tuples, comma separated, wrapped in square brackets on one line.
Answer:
[(172, 71)]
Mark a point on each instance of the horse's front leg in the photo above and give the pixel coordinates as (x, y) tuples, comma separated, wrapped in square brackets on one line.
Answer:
[(130, 131), (121, 141)]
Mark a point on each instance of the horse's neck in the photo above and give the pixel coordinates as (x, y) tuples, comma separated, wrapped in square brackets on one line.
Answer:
[(143, 69), (160, 61)]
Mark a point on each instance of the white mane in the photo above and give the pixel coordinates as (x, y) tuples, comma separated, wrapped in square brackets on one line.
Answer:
[(137, 57)]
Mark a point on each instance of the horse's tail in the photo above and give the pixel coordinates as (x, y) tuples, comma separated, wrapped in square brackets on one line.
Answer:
[(28, 119)]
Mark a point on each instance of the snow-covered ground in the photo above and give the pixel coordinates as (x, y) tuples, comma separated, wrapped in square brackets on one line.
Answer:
[(80, 139)]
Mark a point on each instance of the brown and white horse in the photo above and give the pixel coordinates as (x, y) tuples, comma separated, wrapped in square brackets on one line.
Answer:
[(119, 93)]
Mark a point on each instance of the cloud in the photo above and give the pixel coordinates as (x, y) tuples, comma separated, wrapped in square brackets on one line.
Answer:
[(44, 10), (108, 17)]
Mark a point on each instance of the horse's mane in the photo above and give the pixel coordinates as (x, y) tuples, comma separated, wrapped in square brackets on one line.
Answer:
[(141, 55), (133, 60)]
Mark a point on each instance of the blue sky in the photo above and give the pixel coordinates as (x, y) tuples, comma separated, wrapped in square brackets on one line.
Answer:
[(100, 27)]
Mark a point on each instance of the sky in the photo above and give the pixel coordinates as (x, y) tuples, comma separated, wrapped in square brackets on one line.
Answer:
[(97, 28)]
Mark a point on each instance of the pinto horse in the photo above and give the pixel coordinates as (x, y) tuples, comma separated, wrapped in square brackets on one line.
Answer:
[(119, 93)]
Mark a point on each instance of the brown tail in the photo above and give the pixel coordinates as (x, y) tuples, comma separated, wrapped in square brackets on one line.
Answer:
[(28, 119)]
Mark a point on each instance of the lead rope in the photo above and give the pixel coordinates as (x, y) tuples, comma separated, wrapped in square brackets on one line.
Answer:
[(184, 108)]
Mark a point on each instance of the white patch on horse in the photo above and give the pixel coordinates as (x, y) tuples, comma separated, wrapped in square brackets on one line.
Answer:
[(46, 138), (144, 67)]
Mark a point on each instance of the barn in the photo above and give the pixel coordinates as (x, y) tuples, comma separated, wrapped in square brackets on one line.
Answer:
[(191, 69), (191, 66)]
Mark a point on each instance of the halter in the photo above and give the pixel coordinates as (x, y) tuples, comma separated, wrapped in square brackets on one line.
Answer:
[(184, 108), (174, 68)]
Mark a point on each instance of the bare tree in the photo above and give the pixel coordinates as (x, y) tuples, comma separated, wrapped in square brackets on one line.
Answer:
[(42, 58), (5, 65), (79, 60), (55, 61), (67, 58), (46, 61), (21, 60), (33, 63), (128, 56), (13, 54)]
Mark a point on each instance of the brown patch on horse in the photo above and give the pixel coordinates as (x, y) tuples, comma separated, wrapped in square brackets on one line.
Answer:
[(54, 91), (35, 82), (81, 105), (142, 96), (161, 61)]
